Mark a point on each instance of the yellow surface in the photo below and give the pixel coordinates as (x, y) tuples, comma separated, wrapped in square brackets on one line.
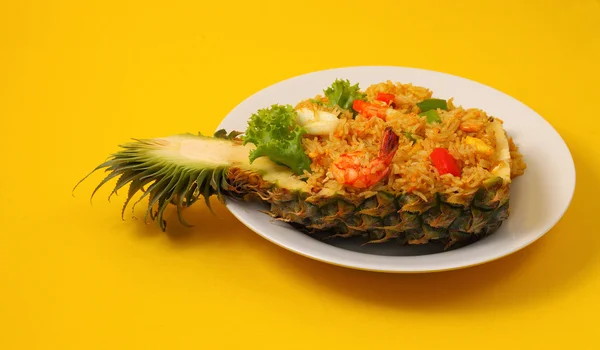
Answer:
[(79, 77)]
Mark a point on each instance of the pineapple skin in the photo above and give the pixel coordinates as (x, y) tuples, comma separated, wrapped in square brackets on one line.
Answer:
[(405, 218)]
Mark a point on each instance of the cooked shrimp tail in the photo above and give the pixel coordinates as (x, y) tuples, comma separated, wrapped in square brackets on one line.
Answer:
[(389, 145)]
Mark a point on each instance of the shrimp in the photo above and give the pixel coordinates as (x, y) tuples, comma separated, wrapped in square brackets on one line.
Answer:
[(471, 126), (347, 169)]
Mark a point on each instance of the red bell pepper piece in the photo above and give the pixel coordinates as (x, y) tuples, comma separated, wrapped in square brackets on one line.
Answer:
[(444, 162), (387, 98), (369, 110)]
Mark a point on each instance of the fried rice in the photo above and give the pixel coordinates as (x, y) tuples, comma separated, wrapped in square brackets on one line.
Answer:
[(411, 170)]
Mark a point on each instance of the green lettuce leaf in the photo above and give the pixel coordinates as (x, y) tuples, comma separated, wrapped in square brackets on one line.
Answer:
[(343, 94), (276, 135)]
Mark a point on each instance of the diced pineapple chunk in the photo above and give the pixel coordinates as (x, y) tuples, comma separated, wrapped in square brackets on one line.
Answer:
[(317, 122), (481, 146)]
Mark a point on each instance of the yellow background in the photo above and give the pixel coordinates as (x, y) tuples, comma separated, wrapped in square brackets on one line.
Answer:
[(79, 77)]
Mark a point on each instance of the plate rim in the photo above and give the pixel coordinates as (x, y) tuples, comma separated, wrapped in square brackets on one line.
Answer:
[(502, 254)]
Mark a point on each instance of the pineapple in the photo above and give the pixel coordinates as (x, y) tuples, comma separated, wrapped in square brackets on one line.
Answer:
[(180, 169), (265, 163)]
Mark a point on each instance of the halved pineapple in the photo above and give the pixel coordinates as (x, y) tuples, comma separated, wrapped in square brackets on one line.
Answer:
[(180, 169)]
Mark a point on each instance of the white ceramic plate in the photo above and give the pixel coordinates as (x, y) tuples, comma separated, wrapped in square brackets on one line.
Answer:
[(550, 175)]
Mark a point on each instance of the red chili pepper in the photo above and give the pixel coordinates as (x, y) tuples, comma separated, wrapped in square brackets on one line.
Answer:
[(369, 110), (444, 162), (358, 105), (387, 98)]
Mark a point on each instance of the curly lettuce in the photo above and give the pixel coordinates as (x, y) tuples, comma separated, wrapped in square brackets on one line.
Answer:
[(343, 94), (276, 135)]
